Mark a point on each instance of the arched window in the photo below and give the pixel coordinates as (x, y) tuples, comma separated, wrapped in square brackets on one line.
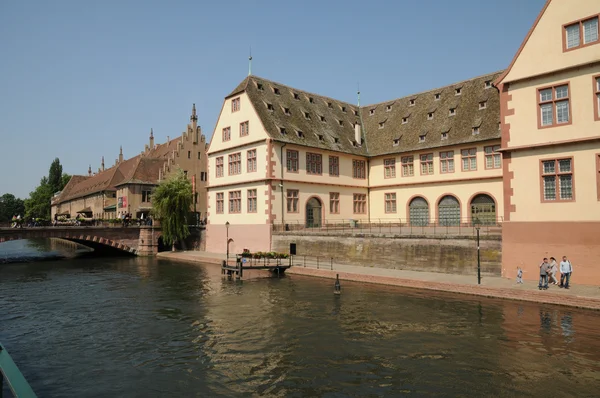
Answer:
[(418, 212), (483, 210), (313, 213), (449, 211)]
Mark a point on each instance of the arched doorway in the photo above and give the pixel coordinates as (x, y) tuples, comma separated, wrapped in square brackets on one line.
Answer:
[(418, 212), (449, 211), (483, 210), (314, 209)]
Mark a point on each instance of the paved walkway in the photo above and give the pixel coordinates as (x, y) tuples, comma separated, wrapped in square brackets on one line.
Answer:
[(582, 296)]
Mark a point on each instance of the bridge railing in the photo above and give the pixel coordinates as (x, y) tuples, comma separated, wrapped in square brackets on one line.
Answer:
[(13, 377)]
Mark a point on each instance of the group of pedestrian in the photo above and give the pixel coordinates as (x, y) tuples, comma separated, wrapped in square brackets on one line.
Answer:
[(548, 271)]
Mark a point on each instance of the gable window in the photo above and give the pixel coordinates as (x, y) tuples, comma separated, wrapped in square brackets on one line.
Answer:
[(447, 162), (493, 158), (244, 131), (251, 201), (408, 167), (580, 34), (359, 169), (334, 202), (452, 112), (219, 166), (291, 157), (235, 163), (427, 164), (359, 201), (469, 159), (404, 120), (235, 201), (557, 180), (251, 160), (482, 105), (389, 167), (235, 104), (292, 200), (553, 105), (390, 202), (437, 97), (226, 133), (458, 91), (220, 202), (334, 166), (314, 163), (597, 97)]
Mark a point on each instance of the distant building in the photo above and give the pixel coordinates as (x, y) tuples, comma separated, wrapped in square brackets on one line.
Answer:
[(550, 107), (127, 186)]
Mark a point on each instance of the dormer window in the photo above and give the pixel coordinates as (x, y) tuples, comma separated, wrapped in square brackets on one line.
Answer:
[(355, 112), (430, 116), (355, 144), (329, 105), (307, 115), (322, 118), (444, 136), (300, 134), (260, 86), (320, 136), (458, 91), (488, 84), (482, 105), (296, 97), (381, 125), (287, 111), (404, 120), (270, 107), (422, 138), (282, 131), (343, 109), (388, 108), (311, 100), (475, 130), (371, 112), (437, 97), (341, 122), (336, 140), (411, 102), (396, 142), (452, 111), (276, 91)]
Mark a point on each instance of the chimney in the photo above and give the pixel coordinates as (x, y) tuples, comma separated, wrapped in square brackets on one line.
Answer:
[(90, 170), (151, 144), (357, 134), (121, 154), (102, 164)]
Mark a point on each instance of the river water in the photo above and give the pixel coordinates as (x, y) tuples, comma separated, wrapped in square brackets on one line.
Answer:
[(116, 327)]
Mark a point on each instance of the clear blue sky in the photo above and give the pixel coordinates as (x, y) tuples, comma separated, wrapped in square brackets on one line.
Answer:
[(80, 78)]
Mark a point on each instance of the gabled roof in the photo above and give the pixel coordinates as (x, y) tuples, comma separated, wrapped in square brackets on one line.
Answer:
[(307, 119), (145, 171)]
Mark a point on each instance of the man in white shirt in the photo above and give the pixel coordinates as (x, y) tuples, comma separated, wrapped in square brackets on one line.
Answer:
[(565, 272)]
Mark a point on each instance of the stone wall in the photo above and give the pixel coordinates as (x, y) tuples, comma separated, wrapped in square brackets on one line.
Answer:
[(457, 256)]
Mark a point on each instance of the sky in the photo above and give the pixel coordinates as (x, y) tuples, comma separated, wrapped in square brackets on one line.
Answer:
[(79, 79)]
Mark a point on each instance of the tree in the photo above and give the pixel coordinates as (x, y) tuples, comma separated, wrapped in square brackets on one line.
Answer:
[(55, 176), (10, 206), (171, 202), (38, 204)]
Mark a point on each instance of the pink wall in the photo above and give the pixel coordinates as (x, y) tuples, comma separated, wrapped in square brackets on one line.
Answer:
[(254, 237)]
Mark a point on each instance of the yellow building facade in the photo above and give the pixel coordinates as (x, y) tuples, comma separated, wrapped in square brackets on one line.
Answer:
[(550, 110)]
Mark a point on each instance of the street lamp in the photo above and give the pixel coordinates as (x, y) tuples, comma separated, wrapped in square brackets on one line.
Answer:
[(478, 259), (227, 229)]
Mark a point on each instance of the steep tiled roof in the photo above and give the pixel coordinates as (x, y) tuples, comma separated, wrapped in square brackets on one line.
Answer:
[(306, 118), (386, 132), (74, 181), (146, 171)]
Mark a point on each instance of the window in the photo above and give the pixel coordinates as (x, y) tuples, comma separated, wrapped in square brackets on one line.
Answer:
[(396, 142), (482, 105), (307, 115), (219, 166), (276, 91), (199, 155), (488, 84), (580, 34), (390, 202), (220, 202), (189, 154), (388, 108), (296, 96), (436, 97), (314, 163), (235, 104), (469, 159), (235, 164), (334, 202), (411, 102), (458, 91), (557, 180), (300, 134), (343, 109), (389, 167), (322, 118), (334, 166), (447, 162), (444, 136), (226, 133), (146, 196), (311, 100), (260, 86), (244, 131), (430, 116), (292, 161), (270, 107), (336, 140), (251, 201), (475, 130), (404, 120), (321, 137), (597, 97), (422, 138), (381, 125), (359, 203), (329, 105), (235, 201), (203, 175), (493, 158), (408, 167), (452, 112), (554, 106), (359, 169), (292, 200), (371, 112), (287, 111), (341, 122), (185, 173), (251, 162), (282, 131), (427, 164)]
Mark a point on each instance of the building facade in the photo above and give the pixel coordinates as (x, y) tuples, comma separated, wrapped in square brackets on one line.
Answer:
[(550, 107)]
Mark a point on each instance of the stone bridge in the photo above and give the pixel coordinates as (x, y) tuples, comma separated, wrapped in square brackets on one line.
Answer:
[(139, 241)]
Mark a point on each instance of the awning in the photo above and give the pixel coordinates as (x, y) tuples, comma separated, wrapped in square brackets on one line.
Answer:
[(86, 210), (110, 208)]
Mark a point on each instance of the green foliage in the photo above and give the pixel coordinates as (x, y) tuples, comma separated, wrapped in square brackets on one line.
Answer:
[(38, 204), (10, 206), (171, 202), (55, 176)]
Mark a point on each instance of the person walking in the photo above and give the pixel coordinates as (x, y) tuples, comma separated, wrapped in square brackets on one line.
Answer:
[(553, 271), (519, 275), (566, 269), (544, 269)]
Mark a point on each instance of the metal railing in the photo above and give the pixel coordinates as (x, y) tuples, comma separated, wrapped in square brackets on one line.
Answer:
[(395, 226), (318, 262), (13, 377)]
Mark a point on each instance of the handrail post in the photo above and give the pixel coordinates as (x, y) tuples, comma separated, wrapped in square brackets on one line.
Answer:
[(331, 263)]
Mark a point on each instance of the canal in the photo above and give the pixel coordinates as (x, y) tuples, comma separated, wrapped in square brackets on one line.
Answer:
[(115, 327)]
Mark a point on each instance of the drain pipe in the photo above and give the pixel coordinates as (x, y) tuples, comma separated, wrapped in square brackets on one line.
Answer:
[(281, 186)]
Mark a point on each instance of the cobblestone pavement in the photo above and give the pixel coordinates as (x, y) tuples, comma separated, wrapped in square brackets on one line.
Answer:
[(582, 296)]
